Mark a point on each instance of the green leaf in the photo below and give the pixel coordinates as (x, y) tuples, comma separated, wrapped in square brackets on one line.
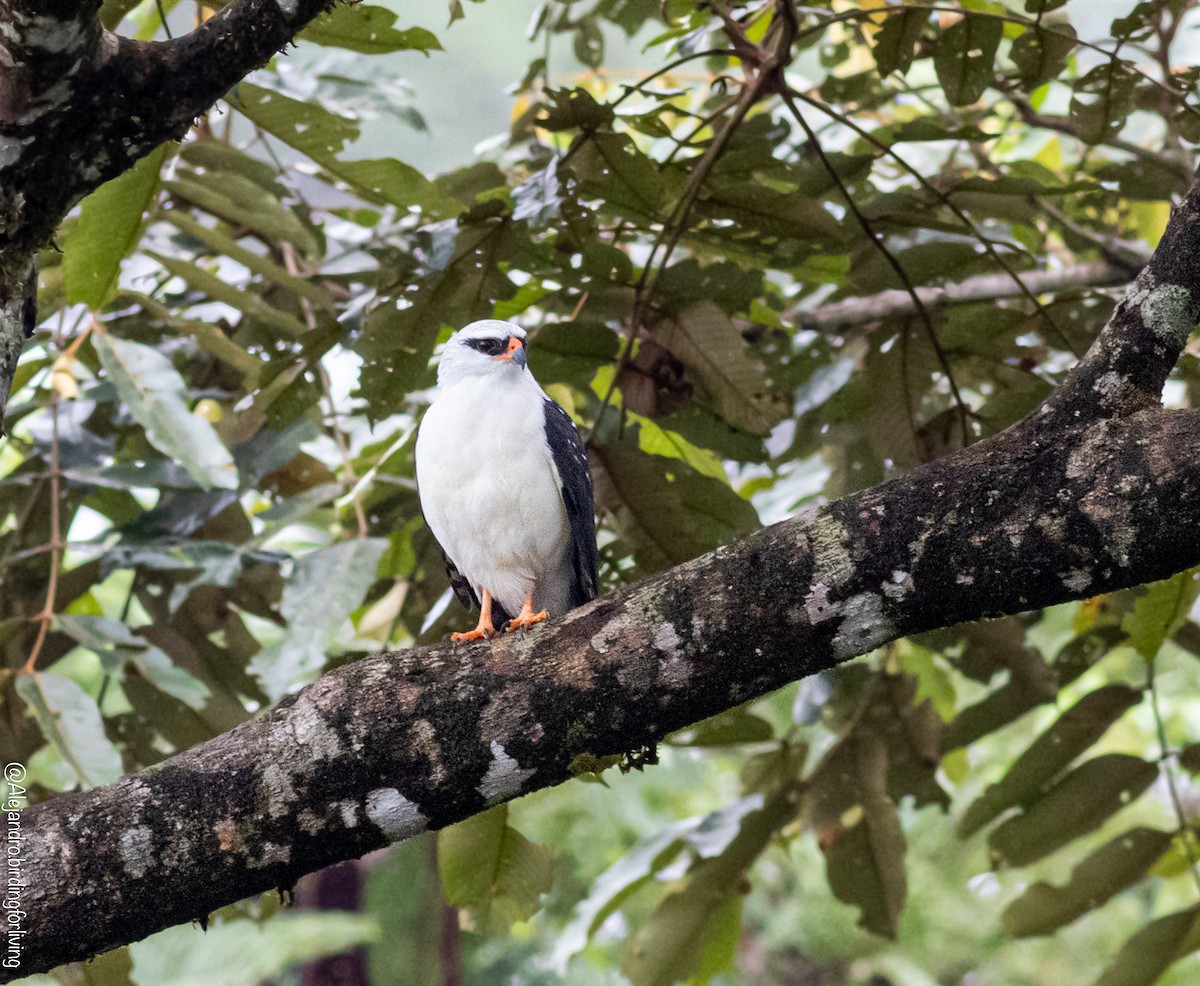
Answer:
[(696, 927), (707, 835), (70, 720), (324, 587), (965, 55), (109, 227), (1120, 863), (112, 12), (1101, 100), (223, 244), (492, 873), (755, 209), (367, 29), (707, 342), (1041, 55), (571, 352), (156, 396), (859, 831), (728, 728), (241, 299), (1148, 954), (611, 168), (1050, 754), (896, 42), (666, 511), (158, 668), (1189, 758), (243, 202), (245, 953), (1159, 611), (323, 136), (1074, 806)]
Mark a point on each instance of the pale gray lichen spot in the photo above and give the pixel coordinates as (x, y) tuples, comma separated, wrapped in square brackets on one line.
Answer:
[(272, 853), (11, 148), (136, 844), (607, 634), (504, 775), (831, 555), (1076, 579), (311, 731), (1082, 461), (667, 640), (349, 811), (864, 626), (393, 814), (900, 585), (278, 791), (309, 821), (52, 33), (1109, 384), (1170, 312), (962, 578), (817, 604), (287, 7)]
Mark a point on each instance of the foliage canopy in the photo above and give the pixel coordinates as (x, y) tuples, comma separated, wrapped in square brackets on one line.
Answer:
[(725, 266)]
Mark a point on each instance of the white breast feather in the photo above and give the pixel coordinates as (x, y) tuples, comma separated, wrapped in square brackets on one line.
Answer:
[(491, 493)]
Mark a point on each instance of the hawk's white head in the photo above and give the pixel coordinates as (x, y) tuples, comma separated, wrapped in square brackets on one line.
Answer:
[(487, 349)]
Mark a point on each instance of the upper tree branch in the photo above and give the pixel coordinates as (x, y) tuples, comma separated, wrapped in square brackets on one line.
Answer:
[(984, 287)]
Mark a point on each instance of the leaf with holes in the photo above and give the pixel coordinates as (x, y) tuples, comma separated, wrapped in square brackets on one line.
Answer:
[(965, 57), (732, 385), (367, 29), (1102, 99), (1040, 55), (1050, 754), (896, 42), (1120, 863), (1079, 803)]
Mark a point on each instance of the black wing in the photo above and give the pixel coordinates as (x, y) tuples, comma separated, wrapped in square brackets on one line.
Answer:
[(570, 458)]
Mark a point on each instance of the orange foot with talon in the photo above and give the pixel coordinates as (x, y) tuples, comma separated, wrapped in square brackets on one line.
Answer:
[(484, 628), (527, 617)]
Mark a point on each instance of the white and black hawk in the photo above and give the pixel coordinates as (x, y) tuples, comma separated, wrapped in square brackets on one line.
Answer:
[(504, 484)]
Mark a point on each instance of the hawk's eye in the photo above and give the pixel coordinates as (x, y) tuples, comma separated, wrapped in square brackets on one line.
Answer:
[(489, 347)]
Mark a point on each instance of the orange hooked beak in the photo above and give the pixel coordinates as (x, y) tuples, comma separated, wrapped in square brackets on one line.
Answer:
[(515, 353)]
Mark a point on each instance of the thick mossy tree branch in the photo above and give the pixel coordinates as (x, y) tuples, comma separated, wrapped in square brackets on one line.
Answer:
[(79, 105), (388, 746), (1073, 500)]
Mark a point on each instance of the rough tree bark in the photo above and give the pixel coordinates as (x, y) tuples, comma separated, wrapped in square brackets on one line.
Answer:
[(1096, 490), (79, 105)]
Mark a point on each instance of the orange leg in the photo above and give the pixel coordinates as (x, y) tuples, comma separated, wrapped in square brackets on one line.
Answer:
[(483, 628), (527, 617)]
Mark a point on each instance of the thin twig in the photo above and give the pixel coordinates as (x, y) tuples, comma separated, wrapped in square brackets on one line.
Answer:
[(1184, 828), (950, 204), (877, 242), (46, 614)]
